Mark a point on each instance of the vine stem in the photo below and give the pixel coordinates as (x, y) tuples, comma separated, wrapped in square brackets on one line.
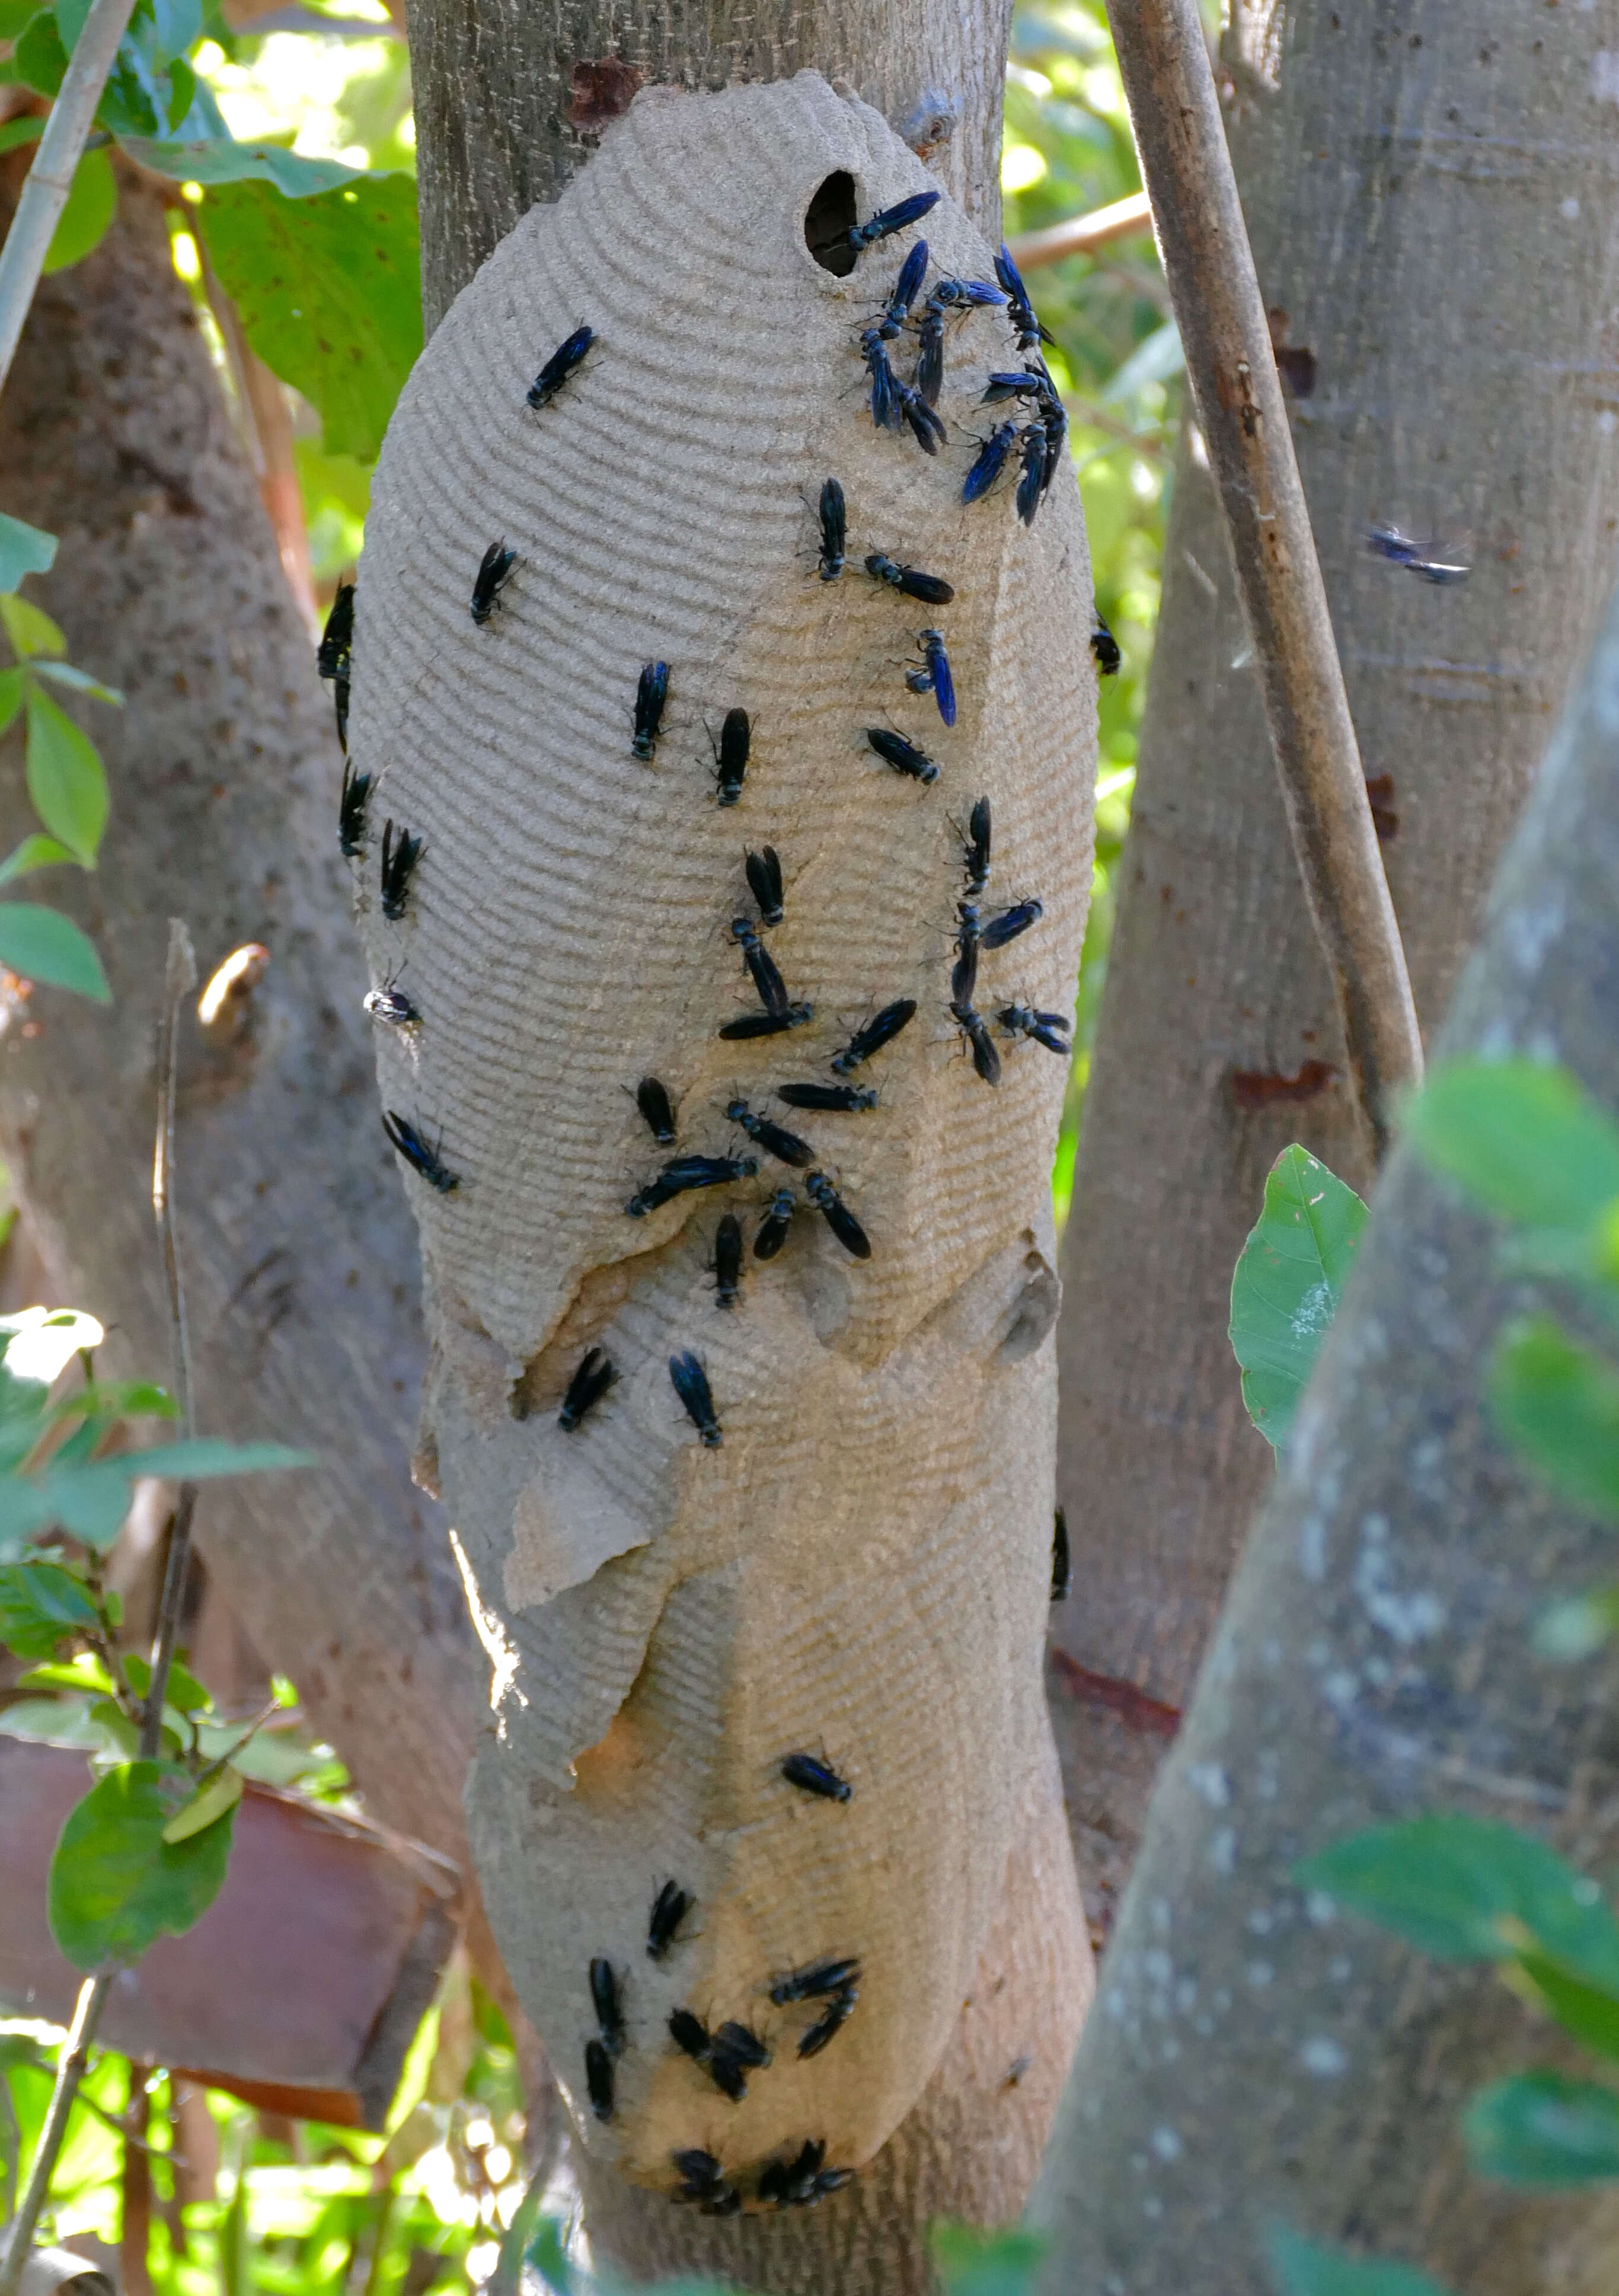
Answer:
[(180, 977), (1208, 263), (50, 179)]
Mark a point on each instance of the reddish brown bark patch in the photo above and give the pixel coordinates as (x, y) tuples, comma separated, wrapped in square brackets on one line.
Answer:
[(602, 91), (1263, 1087)]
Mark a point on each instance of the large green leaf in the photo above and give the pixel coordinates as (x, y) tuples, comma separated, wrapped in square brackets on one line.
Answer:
[(329, 292), (116, 1885), (66, 783), (214, 160), (88, 213), (1521, 1137), (1540, 2128), (42, 945), (1288, 1285), (40, 1603), (92, 1500), (1306, 2268), (974, 2263), (1559, 1401), (24, 549), (1464, 1889), (1586, 2011)]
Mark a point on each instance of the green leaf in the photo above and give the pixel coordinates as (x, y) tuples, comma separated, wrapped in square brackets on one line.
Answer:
[(183, 1691), (15, 17), (970, 2262), (116, 1399), (24, 549), (216, 160), (1463, 1888), (80, 680), (207, 1806), (1523, 1139), (1543, 2129), (1307, 2268), (36, 1345), (92, 1501), (59, 1722), (66, 783), (1288, 1285), (1587, 2011), (87, 1672), (204, 1458), (71, 18), (29, 630), (329, 293), (1558, 1402), (40, 1603), (13, 684), (116, 1885), (177, 24), (1578, 1627), (39, 59), (42, 945), (35, 852), (86, 214)]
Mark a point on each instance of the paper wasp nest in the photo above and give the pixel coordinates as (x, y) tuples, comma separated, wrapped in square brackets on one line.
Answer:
[(860, 1572)]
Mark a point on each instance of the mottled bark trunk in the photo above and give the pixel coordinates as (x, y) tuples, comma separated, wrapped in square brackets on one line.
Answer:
[(1252, 2057), (299, 1260), (1433, 217)]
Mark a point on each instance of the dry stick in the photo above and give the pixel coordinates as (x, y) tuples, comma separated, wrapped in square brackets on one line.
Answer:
[(1209, 265), (1082, 234), (50, 179), (180, 977)]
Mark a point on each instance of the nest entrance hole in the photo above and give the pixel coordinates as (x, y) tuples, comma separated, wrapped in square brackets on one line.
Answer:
[(829, 220)]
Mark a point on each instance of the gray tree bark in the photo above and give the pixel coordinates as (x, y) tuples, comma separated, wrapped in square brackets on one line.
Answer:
[(1252, 2057), (1431, 205), (299, 1256)]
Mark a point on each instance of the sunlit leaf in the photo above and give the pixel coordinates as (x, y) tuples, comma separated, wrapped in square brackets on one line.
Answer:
[(221, 159), (64, 674), (42, 945), (36, 851), (1288, 1285), (207, 1806), (40, 1603), (86, 215), (329, 292), (66, 784), (182, 1690), (24, 549), (1308, 2268), (116, 1885), (29, 628), (1464, 1889), (1542, 2129)]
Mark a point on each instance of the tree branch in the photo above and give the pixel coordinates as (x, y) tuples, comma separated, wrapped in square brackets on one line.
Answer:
[(1082, 234), (1204, 239)]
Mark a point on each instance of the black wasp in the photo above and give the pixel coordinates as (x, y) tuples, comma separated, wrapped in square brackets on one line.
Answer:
[(339, 702), (832, 2018), (389, 1002), (688, 2033), (1027, 328), (964, 972), (765, 883), (593, 1374), (903, 756), (986, 1059), (1012, 922), (398, 863), (727, 1261), (692, 1385), (736, 2051), (558, 366), (887, 221), (837, 1216), (933, 677), (651, 692), (1023, 384), (813, 1983), (493, 575), (1048, 1029), (835, 1099), (670, 1908), (773, 1227), (784, 1146), (948, 294), (989, 462), (338, 636), (977, 842), (765, 971), (801, 2182), (683, 1173), (896, 310), (1034, 441), (702, 2180), (767, 1024), (931, 589), (885, 383), (1388, 542), (599, 2078), (608, 2003), (878, 1031), (730, 756), (814, 1777), (1062, 1570), (410, 1143), (351, 812), (833, 527), (1105, 648), (652, 1099)]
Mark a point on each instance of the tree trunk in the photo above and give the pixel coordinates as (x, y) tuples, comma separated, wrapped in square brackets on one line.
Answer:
[(667, 1624), (1252, 2057), (299, 1259), (1445, 313)]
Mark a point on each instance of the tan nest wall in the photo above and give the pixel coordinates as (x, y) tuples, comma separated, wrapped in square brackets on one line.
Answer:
[(862, 1571)]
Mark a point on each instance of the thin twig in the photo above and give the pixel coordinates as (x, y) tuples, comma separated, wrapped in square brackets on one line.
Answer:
[(179, 980), (50, 179), (1082, 234), (1231, 368), (180, 977)]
